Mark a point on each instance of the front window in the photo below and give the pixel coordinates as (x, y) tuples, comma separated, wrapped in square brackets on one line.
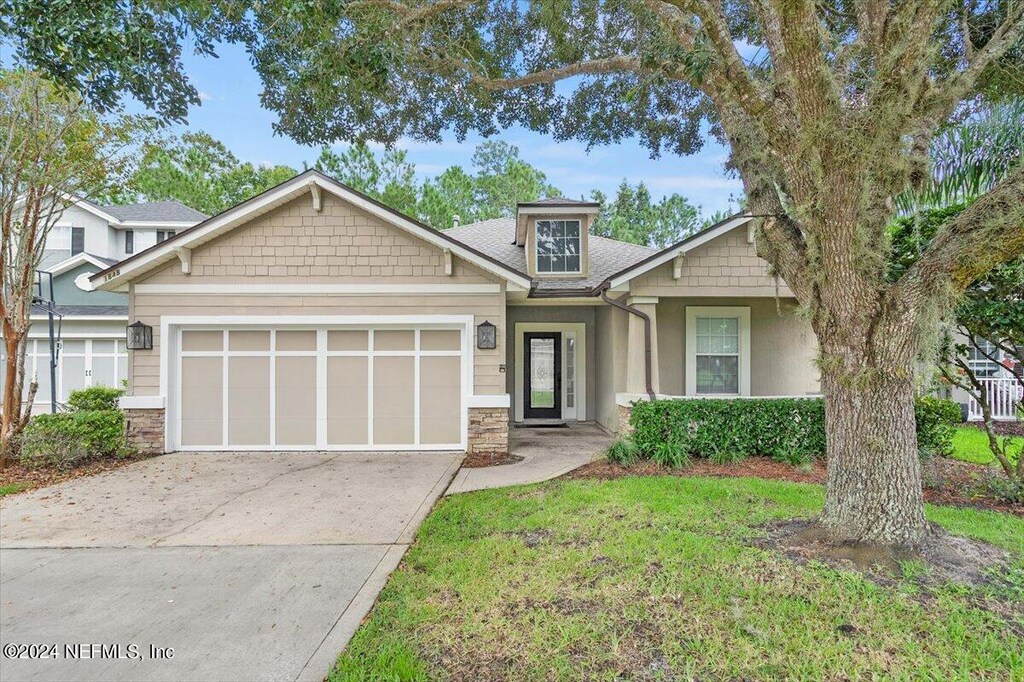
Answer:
[(558, 246), (718, 355), (718, 350)]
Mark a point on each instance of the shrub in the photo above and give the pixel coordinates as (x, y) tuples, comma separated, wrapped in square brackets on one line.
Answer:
[(92, 427), (730, 430), (937, 420), (671, 454), (622, 451), (726, 456), (789, 430), (66, 438), (94, 398)]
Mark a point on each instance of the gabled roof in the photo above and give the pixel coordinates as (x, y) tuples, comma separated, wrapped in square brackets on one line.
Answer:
[(607, 256), (304, 183), (78, 259), (688, 244), (169, 210)]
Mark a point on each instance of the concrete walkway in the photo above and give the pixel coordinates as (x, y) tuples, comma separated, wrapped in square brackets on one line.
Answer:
[(547, 453), (249, 566)]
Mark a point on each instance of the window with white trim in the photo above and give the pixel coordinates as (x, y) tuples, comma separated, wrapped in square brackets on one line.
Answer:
[(77, 240), (164, 235), (718, 350), (129, 242), (979, 361), (558, 246)]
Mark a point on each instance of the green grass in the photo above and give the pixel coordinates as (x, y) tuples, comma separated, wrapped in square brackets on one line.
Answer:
[(12, 488), (651, 578), (542, 398), (971, 445)]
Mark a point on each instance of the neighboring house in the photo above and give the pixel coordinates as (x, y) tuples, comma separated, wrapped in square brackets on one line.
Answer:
[(999, 379), (90, 327), (313, 317)]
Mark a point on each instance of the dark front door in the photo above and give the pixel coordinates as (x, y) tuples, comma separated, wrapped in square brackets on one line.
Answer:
[(543, 371)]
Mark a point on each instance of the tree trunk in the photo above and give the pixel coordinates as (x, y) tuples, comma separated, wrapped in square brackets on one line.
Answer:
[(874, 471)]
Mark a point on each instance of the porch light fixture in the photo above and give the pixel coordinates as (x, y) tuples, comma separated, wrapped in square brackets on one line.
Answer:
[(486, 336), (139, 336)]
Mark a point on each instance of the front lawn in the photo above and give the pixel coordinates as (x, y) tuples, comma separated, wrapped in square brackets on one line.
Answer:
[(12, 488), (655, 578), (971, 445)]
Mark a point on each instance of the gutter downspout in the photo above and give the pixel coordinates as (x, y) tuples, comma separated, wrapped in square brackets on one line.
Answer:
[(648, 369)]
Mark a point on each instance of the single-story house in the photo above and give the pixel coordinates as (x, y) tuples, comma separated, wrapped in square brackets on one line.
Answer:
[(312, 317)]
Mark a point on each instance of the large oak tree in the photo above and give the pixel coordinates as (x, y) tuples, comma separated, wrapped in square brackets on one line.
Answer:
[(827, 107)]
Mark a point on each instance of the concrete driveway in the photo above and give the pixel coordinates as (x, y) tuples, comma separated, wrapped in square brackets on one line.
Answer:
[(248, 566)]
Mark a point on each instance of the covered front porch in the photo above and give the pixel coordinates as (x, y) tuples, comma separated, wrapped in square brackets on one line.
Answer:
[(586, 361)]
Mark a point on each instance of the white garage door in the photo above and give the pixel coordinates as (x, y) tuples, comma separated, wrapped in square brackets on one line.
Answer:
[(327, 388)]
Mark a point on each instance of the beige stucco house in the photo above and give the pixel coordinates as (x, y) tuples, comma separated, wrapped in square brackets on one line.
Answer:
[(311, 317)]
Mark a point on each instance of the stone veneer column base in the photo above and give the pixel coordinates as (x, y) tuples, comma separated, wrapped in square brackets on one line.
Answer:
[(144, 430), (625, 412), (488, 430)]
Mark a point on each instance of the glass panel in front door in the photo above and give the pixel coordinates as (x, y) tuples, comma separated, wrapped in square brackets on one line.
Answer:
[(542, 373)]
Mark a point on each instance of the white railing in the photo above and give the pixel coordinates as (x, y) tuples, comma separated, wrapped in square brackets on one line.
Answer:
[(1004, 397)]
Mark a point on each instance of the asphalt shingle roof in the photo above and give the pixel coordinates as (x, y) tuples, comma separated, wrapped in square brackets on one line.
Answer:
[(155, 211), (495, 238)]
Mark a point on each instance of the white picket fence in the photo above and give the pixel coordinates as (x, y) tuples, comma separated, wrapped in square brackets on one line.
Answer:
[(1004, 395)]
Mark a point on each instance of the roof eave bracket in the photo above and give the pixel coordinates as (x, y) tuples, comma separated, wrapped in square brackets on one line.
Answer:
[(314, 189), (184, 254), (448, 264), (677, 266)]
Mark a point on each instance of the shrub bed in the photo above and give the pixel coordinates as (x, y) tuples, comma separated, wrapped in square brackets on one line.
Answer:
[(92, 427), (790, 430)]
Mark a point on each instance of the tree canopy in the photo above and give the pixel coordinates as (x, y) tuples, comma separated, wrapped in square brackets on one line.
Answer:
[(109, 50), (200, 172), (633, 216)]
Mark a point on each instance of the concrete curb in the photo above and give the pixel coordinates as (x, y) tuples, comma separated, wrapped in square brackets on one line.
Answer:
[(326, 655)]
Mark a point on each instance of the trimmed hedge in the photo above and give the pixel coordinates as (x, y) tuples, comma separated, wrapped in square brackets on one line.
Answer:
[(790, 430)]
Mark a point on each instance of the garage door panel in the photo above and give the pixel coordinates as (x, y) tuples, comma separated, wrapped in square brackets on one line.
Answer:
[(249, 400), (393, 400), (440, 400), (295, 401), (334, 388), (201, 401), (347, 410)]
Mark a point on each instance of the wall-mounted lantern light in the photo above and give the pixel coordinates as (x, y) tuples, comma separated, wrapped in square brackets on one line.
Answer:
[(486, 336), (139, 336)]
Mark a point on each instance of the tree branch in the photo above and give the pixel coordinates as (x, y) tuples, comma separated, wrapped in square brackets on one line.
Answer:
[(986, 234)]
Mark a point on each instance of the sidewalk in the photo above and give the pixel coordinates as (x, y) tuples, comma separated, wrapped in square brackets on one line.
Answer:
[(547, 453)]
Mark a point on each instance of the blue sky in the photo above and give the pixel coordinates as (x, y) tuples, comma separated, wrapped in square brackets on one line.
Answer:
[(231, 112)]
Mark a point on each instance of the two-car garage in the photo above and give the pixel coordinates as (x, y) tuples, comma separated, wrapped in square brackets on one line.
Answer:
[(398, 386)]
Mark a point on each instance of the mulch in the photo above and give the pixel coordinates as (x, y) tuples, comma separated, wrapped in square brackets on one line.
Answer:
[(947, 481), (480, 460), (42, 476)]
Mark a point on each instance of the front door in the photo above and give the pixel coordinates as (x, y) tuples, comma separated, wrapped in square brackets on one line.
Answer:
[(543, 374)]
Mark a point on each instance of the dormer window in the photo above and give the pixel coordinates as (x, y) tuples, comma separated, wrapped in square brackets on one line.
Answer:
[(558, 246)]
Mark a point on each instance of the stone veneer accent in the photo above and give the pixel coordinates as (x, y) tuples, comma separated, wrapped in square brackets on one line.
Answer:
[(144, 430), (488, 430), (624, 427)]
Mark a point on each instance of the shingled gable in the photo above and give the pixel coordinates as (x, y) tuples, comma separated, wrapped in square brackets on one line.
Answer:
[(309, 182)]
